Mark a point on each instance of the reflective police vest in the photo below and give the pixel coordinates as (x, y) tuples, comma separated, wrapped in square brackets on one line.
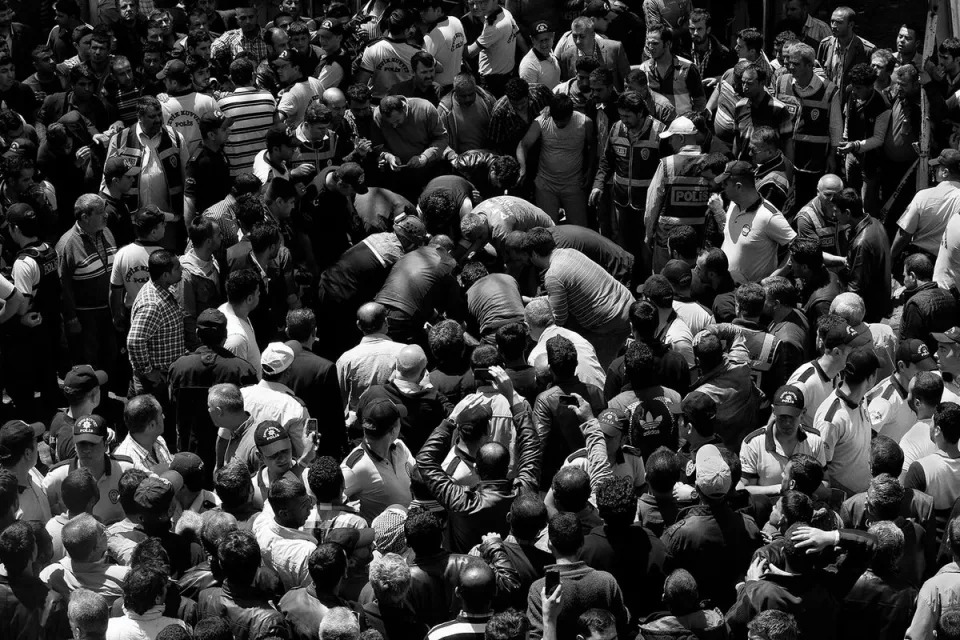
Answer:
[(45, 297), (168, 153), (685, 192), (828, 235), (811, 135), (763, 349), (634, 163), (773, 179)]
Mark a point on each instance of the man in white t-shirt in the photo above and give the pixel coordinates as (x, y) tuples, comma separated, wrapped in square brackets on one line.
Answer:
[(446, 41), (540, 65), (497, 46), (755, 231), (243, 296), (300, 89), (181, 105), (387, 62), (130, 264), (926, 391)]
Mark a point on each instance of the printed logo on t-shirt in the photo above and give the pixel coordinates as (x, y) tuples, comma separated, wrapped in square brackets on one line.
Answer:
[(458, 41), (183, 119), (394, 65), (138, 274)]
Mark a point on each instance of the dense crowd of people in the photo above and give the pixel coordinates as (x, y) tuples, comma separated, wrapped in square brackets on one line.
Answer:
[(574, 320)]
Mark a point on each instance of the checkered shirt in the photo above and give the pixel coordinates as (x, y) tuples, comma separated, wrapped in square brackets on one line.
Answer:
[(156, 330)]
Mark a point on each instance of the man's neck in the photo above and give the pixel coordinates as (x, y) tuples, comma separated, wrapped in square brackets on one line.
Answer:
[(45, 75), (704, 46), (951, 450), (241, 311), (846, 40), (831, 365), (84, 409), (854, 393), (570, 560), (212, 146), (781, 312), (145, 440), (262, 259), (754, 320), (87, 229), (204, 252), (924, 412), (380, 447), (97, 468)]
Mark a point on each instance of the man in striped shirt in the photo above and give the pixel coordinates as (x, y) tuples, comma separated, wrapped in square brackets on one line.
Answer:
[(86, 254), (252, 111), (582, 295), (476, 587)]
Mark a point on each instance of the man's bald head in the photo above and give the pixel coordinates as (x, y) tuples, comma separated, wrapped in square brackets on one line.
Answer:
[(493, 461), (372, 318), (478, 586), (333, 97), (830, 184), (411, 362)]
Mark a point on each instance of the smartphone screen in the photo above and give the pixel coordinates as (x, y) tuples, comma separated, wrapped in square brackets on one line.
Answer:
[(551, 581)]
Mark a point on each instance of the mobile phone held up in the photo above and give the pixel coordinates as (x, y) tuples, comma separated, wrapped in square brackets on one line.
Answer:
[(569, 400), (482, 374), (551, 581)]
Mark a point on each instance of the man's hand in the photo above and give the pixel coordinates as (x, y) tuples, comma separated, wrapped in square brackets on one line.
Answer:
[(595, 197), (491, 538), (391, 162), (709, 83), (758, 568), (583, 409), (502, 382), (31, 319), (551, 604), (415, 162), (82, 157), (73, 326), (363, 146), (814, 540), (154, 376)]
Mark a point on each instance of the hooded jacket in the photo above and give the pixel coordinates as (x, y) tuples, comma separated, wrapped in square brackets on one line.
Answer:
[(706, 624)]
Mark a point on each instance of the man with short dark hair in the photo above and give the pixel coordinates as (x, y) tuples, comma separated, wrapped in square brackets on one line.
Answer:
[(208, 164), (868, 262), (627, 550), (582, 294), (284, 548), (476, 589), (314, 379), (584, 587), (928, 308), (305, 607), (936, 473), (155, 339)]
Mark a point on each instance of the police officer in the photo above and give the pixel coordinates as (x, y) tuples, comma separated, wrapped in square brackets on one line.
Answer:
[(887, 406), (677, 194), (815, 103), (275, 450), (817, 220), (32, 337), (624, 459), (629, 160), (766, 354), (90, 435)]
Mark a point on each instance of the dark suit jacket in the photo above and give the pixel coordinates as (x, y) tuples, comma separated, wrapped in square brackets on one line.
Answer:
[(314, 379), (858, 52)]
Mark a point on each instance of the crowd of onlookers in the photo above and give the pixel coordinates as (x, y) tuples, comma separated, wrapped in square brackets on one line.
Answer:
[(572, 320)]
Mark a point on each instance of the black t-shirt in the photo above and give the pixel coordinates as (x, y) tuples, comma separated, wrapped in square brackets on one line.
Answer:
[(420, 281), (208, 178), (461, 189)]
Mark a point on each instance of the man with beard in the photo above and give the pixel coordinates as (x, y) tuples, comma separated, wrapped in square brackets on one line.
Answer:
[(710, 57), (809, 29), (578, 87), (844, 49), (121, 91)]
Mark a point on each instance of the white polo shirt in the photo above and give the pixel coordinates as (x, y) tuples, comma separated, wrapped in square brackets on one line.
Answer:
[(813, 383), (377, 482), (763, 459), (845, 429), (916, 443), (887, 408), (446, 42), (751, 239)]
